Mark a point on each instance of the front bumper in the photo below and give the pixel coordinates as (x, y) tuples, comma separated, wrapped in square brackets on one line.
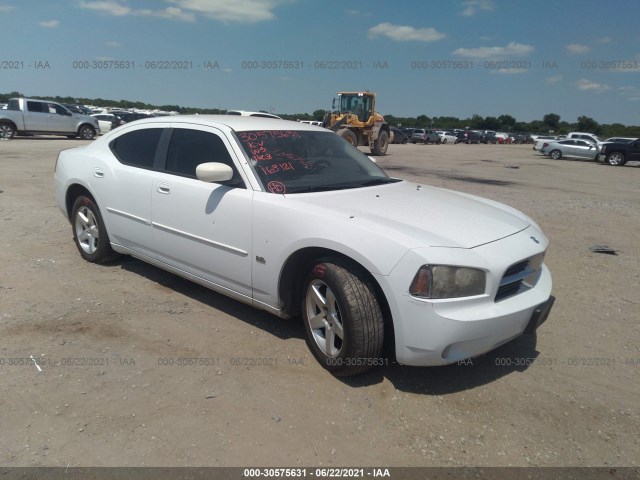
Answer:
[(440, 332), (540, 315)]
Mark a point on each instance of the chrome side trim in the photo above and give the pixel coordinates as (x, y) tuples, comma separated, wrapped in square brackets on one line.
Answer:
[(206, 241), (129, 216)]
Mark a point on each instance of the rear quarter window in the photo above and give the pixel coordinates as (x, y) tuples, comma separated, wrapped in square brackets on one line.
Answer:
[(137, 148)]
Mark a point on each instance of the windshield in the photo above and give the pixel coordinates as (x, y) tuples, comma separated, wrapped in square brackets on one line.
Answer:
[(305, 161), (357, 104)]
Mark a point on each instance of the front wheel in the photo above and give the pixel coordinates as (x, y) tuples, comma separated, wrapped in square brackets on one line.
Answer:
[(349, 137), (89, 232), (86, 132), (615, 159), (380, 144), (342, 318), (556, 154)]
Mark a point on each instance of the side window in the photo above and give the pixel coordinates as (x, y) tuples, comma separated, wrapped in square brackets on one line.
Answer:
[(189, 148), (36, 107), (59, 109), (137, 148)]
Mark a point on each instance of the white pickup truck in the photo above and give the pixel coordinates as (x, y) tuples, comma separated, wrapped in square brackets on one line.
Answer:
[(27, 116)]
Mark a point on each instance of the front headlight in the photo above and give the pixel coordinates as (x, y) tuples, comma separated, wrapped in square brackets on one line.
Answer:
[(441, 281)]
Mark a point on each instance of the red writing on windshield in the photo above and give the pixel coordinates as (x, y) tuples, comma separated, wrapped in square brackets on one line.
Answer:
[(277, 167), (250, 136), (276, 151), (258, 151), (276, 187)]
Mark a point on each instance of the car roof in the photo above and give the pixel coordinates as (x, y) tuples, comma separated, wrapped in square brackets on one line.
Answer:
[(234, 122)]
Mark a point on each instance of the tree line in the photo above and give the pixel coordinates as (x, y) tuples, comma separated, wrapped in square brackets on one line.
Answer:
[(550, 123)]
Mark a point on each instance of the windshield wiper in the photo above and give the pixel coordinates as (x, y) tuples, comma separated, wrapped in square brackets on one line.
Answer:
[(378, 181), (343, 186), (323, 188)]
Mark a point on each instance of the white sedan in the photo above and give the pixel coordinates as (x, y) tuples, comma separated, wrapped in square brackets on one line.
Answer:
[(447, 136), (293, 220), (107, 121)]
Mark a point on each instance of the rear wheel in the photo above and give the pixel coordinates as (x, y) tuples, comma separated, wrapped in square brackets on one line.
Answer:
[(556, 154), (89, 232), (7, 130), (342, 318), (616, 159), (381, 144)]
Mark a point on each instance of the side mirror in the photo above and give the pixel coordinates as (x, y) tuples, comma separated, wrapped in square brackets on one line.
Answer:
[(214, 172)]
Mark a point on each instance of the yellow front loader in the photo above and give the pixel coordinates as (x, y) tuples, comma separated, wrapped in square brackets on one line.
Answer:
[(356, 120)]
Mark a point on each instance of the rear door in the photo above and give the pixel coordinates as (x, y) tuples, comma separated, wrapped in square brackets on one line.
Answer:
[(36, 115), (124, 182)]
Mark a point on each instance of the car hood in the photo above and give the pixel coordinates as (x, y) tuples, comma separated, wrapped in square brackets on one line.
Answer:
[(417, 215)]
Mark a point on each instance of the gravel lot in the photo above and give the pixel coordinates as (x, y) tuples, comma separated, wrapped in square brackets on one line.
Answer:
[(111, 342)]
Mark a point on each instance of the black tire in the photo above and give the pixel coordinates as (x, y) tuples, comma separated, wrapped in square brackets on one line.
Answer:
[(615, 159), (89, 233), (86, 132), (349, 137), (444, 141), (339, 296), (7, 131), (406, 140), (555, 154), (381, 144)]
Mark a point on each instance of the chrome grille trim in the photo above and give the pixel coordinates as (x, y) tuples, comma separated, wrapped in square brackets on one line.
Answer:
[(520, 277)]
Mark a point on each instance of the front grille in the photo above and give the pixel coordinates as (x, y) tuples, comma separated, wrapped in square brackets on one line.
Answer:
[(520, 277)]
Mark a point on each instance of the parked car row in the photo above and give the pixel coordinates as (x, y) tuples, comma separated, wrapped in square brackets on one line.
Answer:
[(616, 151)]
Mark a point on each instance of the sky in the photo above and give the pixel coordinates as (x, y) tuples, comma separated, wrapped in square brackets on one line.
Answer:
[(447, 58)]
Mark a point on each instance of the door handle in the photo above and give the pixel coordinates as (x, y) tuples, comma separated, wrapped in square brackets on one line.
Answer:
[(164, 188), (98, 173)]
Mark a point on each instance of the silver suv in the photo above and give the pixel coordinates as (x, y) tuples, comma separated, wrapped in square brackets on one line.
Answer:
[(422, 135)]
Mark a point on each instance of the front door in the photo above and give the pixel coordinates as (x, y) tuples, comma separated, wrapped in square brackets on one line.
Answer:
[(203, 228)]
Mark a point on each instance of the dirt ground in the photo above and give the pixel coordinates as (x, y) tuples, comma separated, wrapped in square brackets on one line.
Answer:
[(135, 366)]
